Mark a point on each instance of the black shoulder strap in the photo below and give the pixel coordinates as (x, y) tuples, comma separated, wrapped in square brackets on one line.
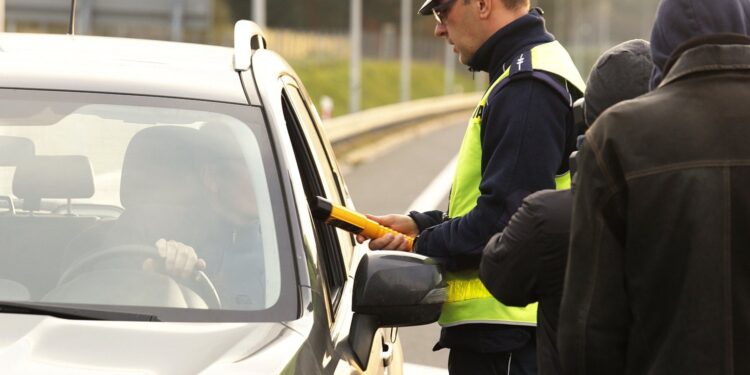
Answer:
[(521, 68)]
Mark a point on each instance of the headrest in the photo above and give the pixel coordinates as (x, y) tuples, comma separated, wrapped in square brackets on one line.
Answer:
[(15, 150), (162, 166), (219, 143), (57, 177)]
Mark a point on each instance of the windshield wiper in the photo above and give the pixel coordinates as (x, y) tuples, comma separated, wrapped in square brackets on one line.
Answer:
[(72, 312)]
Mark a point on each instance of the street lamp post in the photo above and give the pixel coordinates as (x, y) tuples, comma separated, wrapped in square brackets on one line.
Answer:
[(2, 15), (355, 65), (259, 12), (84, 17), (406, 16), (178, 13), (450, 69)]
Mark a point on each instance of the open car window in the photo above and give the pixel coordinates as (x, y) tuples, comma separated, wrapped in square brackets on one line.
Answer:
[(90, 184)]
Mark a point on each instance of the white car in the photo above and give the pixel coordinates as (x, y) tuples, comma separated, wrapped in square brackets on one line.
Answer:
[(155, 218)]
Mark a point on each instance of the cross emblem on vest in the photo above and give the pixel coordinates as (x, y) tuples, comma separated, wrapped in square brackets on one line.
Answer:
[(520, 61)]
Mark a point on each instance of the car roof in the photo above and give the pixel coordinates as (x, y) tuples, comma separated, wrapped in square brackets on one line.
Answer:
[(119, 65)]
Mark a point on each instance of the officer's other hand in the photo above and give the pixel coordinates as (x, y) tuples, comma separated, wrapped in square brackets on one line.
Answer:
[(390, 242), (179, 260), (399, 223)]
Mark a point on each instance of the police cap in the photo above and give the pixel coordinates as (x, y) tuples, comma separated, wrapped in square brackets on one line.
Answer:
[(426, 8)]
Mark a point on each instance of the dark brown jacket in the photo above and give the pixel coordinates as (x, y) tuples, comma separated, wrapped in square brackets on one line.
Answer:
[(658, 278)]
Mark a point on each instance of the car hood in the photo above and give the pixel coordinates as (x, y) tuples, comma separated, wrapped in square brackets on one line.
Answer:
[(32, 344)]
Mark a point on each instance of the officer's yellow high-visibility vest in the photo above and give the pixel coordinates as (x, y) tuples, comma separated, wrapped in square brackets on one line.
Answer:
[(468, 300)]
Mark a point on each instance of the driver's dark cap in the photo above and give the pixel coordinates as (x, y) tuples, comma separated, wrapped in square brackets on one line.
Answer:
[(426, 8)]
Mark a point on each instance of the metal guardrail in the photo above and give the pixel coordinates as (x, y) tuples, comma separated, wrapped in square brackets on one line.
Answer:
[(348, 127)]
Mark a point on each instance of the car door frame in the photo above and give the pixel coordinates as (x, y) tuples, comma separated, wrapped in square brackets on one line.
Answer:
[(272, 73)]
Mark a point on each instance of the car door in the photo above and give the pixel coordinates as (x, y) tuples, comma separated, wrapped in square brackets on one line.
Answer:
[(336, 248)]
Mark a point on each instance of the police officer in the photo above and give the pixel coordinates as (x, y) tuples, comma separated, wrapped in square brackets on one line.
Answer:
[(517, 142)]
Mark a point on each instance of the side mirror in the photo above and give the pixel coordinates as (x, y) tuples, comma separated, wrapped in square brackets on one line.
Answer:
[(393, 289)]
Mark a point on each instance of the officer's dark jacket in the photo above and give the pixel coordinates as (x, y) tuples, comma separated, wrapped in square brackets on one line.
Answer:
[(527, 135), (526, 263), (658, 279)]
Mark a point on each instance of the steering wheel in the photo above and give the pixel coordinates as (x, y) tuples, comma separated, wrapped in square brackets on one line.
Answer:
[(201, 285)]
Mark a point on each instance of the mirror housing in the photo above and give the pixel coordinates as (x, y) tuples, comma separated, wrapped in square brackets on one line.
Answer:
[(393, 289)]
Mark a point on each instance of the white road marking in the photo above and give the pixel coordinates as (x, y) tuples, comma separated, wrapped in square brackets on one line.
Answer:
[(410, 369), (437, 190), (429, 199)]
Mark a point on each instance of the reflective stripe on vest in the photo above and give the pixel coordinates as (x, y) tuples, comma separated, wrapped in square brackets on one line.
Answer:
[(468, 300)]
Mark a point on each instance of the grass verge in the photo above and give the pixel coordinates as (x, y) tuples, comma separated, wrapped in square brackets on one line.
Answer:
[(380, 82)]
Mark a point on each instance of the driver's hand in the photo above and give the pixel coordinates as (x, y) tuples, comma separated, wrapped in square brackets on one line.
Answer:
[(180, 260)]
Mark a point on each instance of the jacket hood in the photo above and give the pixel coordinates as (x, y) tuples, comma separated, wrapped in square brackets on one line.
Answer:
[(679, 21), (620, 73)]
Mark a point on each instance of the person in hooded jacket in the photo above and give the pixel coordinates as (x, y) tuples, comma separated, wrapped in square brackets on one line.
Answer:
[(658, 276), (525, 263)]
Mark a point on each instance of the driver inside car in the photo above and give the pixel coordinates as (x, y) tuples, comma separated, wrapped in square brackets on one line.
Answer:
[(188, 192), (226, 180)]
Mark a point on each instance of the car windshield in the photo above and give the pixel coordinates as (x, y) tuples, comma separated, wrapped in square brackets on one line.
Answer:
[(96, 190)]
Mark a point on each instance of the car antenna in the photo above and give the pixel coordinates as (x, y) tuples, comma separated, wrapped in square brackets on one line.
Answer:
[(72, 23)]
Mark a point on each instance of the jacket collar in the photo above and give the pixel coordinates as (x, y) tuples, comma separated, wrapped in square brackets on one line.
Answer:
[(509, 42), (711, 53)]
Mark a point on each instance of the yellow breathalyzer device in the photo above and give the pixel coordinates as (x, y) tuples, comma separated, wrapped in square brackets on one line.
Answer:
[(352, 221)]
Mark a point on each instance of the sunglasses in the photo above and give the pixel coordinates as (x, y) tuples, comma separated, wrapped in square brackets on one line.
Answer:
[(441, 11)]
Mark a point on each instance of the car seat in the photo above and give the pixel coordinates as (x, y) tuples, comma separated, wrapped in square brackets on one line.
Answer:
[(32, 242)]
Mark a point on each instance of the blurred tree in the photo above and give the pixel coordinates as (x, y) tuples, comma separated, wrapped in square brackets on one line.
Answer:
[(585, 27), (327, 15), (321, 15)]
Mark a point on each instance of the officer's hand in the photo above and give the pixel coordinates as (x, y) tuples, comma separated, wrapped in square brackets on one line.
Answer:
[(399, 223), (180, 260)]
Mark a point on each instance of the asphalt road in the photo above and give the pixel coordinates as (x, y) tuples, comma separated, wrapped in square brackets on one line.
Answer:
[(388, 179)]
